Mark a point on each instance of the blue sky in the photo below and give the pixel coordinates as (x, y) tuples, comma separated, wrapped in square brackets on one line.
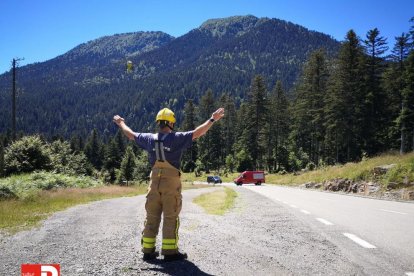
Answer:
[(42, 29)]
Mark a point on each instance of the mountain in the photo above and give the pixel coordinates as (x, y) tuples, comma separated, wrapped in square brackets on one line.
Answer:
[(84, 87)]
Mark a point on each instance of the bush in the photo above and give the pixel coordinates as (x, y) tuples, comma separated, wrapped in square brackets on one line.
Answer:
[(63, 160), (27, 155), (23, 186), (6, 192)]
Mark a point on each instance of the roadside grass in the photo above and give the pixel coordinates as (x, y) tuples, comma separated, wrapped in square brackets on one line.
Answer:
[(25, 213), (402, 172), (217, 202), (356, 171), (17, 215)]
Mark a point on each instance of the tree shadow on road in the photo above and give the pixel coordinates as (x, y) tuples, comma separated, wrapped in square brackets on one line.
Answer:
[(184, 267)]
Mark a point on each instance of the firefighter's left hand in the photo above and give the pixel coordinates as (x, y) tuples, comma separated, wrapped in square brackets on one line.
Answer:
[(218, 114)]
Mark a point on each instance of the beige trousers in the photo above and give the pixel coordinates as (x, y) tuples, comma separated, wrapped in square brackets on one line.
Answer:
[(164, 197)]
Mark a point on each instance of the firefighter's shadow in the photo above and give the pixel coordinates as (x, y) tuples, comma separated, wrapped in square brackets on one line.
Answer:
[(184, 267)]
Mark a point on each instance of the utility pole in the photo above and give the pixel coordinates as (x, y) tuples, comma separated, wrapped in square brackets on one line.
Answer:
[(14, 62)]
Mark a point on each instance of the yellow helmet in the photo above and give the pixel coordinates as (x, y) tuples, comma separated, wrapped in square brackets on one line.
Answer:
[(166, 114)]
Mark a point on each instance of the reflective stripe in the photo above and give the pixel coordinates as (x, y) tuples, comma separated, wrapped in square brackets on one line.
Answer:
[(148, 245), (148, 240), (176, 229), (169, 246), (169, 241)]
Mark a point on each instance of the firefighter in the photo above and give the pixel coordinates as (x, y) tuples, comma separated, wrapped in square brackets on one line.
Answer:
[(164, 194)]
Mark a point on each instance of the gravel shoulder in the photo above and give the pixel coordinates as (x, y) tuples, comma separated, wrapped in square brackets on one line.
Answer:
[(257, 237)]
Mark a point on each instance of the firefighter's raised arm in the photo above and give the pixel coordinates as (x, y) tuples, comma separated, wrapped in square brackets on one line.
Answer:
[(125, 129), (203, 128)]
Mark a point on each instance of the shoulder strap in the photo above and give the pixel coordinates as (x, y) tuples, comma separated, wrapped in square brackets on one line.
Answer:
[(159, 147)]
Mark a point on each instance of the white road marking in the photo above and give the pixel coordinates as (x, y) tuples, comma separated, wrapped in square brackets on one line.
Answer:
[(305, 212), (324, 221), (285, 202), (409, 273), (293, 206), (395, 212), (327, 199), (359, 241)]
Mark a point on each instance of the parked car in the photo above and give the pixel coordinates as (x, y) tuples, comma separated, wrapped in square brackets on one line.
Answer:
[(214, 179), (246, 177)]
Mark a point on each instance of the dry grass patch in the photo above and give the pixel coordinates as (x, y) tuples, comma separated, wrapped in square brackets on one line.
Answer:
[(217, 202), (18, 215), (355, 171)]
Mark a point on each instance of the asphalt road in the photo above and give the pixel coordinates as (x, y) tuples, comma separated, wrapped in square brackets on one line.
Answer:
[(261, 235), (377, 233)]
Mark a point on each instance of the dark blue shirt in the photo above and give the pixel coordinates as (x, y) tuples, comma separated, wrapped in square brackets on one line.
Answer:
[(174, 145)]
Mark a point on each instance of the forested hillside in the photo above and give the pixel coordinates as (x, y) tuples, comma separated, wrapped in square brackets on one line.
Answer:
[(83, 88), (294, 99)]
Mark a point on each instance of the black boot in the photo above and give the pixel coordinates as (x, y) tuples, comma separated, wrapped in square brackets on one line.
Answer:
[(150, 256), (175, 257)]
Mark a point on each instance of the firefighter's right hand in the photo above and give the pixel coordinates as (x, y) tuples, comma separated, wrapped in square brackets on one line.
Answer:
[(118, 120), (218, 114)]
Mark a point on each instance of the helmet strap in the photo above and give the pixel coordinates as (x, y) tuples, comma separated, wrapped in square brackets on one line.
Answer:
[(172, 128)]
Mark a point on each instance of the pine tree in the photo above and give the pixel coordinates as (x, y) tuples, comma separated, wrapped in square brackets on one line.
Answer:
[(112, 159), (190, 156), (373, 135), (209, 145), (242, 160), (76, 143), (120, 144), (229, 124), (399, 54), (93, 150), (393, 85), (279, 125), (2, 169), (126, 172), (308, 111), (344, 103), (256, 131), (412, 32), (406, 118)]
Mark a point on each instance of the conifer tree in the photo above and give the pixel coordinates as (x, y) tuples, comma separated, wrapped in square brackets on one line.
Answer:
[(209, 145), (256, 131), (93, 150), (120, 144), (76, 143), (243, 161), (374, 101), (1, 159), (190, 156), (406, 118), (228, 123), (308, 111), (399, 55), (279, 128), (344, 103), (126, 172), (392, 82), (112, 159)]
